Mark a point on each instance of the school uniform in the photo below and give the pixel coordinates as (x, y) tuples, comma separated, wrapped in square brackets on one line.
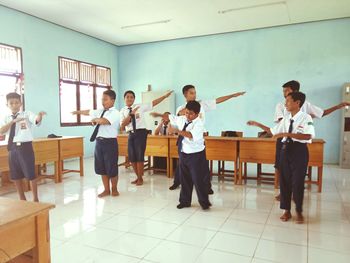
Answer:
[(106, 149), (193, 165), (137, 131), (294, 158), (20, 136), (281, 111), (206, 105)]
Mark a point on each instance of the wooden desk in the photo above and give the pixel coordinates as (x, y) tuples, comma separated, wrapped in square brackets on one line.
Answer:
[(24, 226), (54, 150), (262, 150), (223, 149), (156, 146), (70, 147)]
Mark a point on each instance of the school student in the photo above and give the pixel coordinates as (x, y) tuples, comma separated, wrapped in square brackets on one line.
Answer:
[(296, 130), (106, 122), (162, 128), (132, 120), (193, 163), (190, 94), (307, 107), (18, 128)]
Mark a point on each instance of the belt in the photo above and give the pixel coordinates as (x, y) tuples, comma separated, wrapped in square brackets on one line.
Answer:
[(103, 138), (136, 130)]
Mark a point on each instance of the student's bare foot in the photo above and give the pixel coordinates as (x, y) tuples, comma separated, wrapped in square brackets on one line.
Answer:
[(278, 197), (286, 216), (104, 193), (135, 181), (115, 192), (299, 219), (139, 182)]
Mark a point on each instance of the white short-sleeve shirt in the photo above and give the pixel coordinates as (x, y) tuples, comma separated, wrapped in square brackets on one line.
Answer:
[(206, 105), (140, 120), (312, 110), (303, 124), (113, 116), (24, 128), (196, 128)]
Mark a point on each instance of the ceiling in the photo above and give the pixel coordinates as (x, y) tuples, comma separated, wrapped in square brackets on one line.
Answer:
[(124, 22)]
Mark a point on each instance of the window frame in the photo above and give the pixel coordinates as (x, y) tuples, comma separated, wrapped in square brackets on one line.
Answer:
[(77, 84)]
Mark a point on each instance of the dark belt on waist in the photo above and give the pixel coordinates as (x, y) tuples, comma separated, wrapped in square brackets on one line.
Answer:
[(137, 130), (103, 138)]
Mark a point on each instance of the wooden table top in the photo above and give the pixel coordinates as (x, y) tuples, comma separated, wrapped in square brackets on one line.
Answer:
[(43, 139), (12, 210)]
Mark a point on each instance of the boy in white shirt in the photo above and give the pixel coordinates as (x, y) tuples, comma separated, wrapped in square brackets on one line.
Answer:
[(312, 110), (106, 123), (296, 130), (193, 163), (18, 127), (132, 121)]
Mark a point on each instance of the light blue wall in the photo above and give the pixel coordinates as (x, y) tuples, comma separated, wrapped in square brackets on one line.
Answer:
[(258, 61), (41, 44)]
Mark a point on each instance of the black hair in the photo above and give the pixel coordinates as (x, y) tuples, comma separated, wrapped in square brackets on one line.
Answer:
[(193, 106), (298, 96), (167, 112), (293, 84), (13, 95), (186, 88), (110, 93), (129, 92)]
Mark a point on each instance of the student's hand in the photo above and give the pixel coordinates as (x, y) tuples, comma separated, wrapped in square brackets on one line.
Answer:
[(172, 129), (168, 94), (94, 122), (182, 112), (135, 110), (41, 114), (17, 120), (344, 104), (239, 94), (252, 123)]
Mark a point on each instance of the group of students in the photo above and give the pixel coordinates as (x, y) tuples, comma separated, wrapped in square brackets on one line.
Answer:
[(294, 129)]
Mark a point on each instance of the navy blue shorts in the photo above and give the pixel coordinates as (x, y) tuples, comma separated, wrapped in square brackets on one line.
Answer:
[(106, 156), (137, 145), (279, 145), (22, 161)]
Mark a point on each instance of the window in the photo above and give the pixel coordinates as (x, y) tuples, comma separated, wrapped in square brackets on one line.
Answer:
[(81, 88), (11, 74)]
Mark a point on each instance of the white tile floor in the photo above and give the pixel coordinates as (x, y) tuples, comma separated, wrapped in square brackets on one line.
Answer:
[(143, 224)]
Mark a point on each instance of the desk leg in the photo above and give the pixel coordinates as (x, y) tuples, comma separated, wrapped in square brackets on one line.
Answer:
[(42, 229), (171, 168), (239, 179), (168, 166), (60, 170), (81, 165), (319, 178), (57, 172), (236, 171)]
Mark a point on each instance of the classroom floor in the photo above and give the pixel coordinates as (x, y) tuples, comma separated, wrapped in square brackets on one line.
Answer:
[(143, 224)]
